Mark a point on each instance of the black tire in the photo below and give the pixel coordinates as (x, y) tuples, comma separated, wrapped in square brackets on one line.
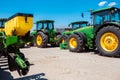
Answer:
[(64, 37), (11, 62), (79, 40), (44, 41), (58, 37), (99, 38)]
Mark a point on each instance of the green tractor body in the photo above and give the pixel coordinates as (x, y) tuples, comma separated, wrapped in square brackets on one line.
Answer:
[(103, 36), (78, 26), (46, 34), (107, 31), (88, 33), (15, 32)]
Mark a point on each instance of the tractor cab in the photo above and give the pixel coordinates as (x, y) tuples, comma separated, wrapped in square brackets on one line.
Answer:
[(104, 16), (45, 33), (45, 24), (2, 23), (107, 30), (78, 24)]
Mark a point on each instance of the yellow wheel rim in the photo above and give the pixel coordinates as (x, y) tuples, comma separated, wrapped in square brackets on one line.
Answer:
[(39, 40), (109, 41), (55, 38), (63, 40), (73, 43)]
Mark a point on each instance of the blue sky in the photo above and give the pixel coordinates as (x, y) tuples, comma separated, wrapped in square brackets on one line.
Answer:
[(62, 11)]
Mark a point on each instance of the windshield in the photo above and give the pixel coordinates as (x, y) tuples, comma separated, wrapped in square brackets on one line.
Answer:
[(50, 26), (78, 25), (75, 26), (39, 26), (84, 25), (102, 17), (2, 23), (44, 25), (115, 16)]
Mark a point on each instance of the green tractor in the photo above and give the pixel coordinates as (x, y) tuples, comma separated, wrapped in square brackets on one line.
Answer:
[(46, 34), (104, 36), (14, 32), (73, 27)]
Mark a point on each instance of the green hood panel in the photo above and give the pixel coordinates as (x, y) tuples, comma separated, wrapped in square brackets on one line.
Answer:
[(86, 30), (67, 32)]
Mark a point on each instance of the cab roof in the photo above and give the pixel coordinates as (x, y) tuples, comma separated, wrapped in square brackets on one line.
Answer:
[(79, 22), (104, 9), (45, 21)]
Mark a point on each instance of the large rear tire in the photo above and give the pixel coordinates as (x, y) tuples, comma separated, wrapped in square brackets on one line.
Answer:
[(108, 41), (41, 40), (75, 43)]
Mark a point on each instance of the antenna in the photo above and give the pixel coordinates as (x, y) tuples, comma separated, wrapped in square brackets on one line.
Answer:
[(91, 16)]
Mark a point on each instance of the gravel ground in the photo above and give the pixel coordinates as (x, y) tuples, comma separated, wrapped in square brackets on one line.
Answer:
[(56, 64)]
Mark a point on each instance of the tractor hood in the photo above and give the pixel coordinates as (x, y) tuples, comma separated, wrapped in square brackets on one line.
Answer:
[(86, 29), (66, 32), (82, 29)]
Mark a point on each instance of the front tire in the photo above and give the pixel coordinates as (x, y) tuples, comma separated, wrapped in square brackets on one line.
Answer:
[(108, 41), (41, 40), (75, 43)]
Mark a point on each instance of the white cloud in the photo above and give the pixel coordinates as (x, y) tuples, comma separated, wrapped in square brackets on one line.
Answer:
[(102, 3), (112, 4)]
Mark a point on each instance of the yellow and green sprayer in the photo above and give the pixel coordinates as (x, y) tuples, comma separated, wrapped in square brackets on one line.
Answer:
[(14, 32)]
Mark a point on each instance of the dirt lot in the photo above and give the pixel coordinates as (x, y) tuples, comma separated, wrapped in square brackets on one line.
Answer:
[(56, 64)]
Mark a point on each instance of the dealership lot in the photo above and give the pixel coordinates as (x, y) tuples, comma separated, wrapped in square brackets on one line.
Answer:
[(55, 64)]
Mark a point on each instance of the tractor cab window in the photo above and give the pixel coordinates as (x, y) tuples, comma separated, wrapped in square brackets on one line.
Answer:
[(83, 25), (101, 17), (50, 26), (39, 26), (2, 23), (106, 16), (115, 16), (78, 25), (45, 25), (75, 26)]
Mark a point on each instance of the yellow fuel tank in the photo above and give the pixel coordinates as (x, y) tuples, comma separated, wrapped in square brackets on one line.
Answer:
[(19, 24)]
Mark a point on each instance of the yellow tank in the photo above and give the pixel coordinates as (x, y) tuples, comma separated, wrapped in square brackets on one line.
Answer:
[(19, 24)]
